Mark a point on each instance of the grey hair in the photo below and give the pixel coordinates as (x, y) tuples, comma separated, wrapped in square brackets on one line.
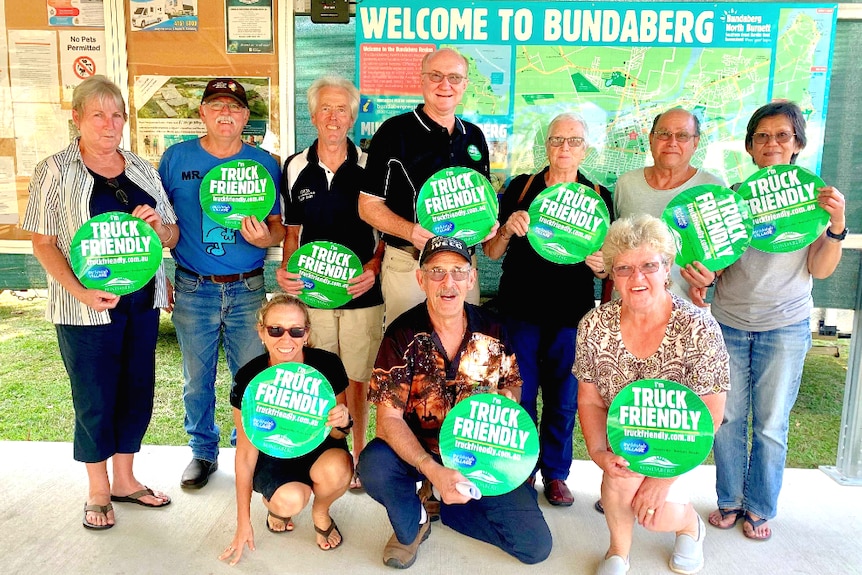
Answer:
[(572, 116), (97, 87), (313, 93), (635, 232)]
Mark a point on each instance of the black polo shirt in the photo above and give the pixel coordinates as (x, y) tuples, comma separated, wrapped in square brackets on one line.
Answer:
[(408, 149), (329, 212), (533, 289)]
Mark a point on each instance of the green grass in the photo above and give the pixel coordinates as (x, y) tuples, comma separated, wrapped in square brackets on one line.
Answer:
[(36, 405)]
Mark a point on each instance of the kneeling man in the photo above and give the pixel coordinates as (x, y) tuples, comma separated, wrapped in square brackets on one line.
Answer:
[(433, 356)]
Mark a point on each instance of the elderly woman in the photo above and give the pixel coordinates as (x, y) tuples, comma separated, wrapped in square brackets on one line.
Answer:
[(767, 334), (541, 328), (287, 484), (114, 402), (647, 333)]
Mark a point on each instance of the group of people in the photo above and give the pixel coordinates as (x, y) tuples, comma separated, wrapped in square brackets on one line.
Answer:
[(744, 358)]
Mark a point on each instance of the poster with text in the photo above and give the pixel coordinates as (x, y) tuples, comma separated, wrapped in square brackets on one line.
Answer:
[(163, 15), (72, 13)]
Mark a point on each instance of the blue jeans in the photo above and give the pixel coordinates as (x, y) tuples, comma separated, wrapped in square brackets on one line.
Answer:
[(545, 357), (765, 373), (512, 521), (205, 314), (112, 369)]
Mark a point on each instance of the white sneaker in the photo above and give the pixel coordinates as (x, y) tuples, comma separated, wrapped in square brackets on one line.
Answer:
[(687, 555), (613, 565)]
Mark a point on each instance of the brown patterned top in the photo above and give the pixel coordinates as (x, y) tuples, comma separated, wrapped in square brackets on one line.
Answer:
[(412, 372), (692, 352)]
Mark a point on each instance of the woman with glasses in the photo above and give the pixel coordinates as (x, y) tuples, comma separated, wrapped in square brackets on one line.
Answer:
[(648, 333), (763, 304), (542, 324), (107, 342), (287, 484)]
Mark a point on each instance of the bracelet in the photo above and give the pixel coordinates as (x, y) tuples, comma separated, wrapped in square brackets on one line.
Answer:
[(714, 280), (170, 234), (503, 235), (420, 460)]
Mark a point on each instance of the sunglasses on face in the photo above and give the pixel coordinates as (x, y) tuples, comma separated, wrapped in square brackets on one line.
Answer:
[(278, 331)]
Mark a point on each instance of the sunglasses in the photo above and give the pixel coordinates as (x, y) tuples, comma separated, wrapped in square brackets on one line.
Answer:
[(118, 191), (278, 331)]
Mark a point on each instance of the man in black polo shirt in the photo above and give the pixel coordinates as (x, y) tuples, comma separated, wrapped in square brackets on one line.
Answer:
[(404, 153), (320, 187)]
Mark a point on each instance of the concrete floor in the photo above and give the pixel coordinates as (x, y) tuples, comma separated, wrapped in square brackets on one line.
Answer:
[(42, 492)]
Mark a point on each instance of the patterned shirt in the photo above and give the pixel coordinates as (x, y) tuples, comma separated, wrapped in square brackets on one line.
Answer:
[(692, 352), (413, 373)]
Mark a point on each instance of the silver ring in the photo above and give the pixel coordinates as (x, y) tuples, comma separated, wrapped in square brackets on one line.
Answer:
[(230, 548), (650, 511)]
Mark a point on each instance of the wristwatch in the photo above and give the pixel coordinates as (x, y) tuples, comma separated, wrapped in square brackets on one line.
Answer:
[(837, 237), (346, 429)]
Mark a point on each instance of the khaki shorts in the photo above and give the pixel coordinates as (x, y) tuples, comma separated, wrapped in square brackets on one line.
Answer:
[(353, 334), (401, 291)]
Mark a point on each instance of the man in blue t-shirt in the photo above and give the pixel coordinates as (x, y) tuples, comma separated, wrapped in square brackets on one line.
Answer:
[(218, 285)]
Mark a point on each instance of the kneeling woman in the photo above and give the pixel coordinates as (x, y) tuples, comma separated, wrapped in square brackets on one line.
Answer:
[(287, 484), (648, 333)]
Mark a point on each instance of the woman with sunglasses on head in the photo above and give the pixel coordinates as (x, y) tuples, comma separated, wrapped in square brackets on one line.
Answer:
[(648, 333), (107, 342), (287, 484), (542, 326), (763, 304)]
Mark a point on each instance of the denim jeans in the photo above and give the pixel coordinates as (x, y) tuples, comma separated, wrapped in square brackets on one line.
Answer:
[(512, 521), (765, 373), (545, 357), (205, 314)]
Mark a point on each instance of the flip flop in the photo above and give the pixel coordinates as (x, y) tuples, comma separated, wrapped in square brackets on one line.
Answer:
[(755, 523), (725, 513), (288, 523), (136, 498), (103, 509), (326, 533)]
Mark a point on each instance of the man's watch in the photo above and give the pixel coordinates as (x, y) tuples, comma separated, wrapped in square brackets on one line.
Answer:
[(837, 237), (346, 429)]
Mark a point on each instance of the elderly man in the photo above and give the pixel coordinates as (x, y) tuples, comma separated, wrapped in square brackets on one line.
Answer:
[(218, 286), (404, 153), (431, 351), (320, 190), (673, 140)]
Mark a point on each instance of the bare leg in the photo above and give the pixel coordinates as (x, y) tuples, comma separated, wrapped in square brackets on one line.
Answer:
[(357, 404), (125, 482), (287, 501), (331, 475), (99, 492), (617, 495)]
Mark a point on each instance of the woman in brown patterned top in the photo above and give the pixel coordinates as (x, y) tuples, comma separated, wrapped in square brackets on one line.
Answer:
[(647, 333)]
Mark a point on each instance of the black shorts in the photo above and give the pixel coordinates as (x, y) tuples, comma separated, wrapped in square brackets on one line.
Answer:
[(270, 473)]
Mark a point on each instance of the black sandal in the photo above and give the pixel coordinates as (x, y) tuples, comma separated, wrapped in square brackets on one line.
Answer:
[(327, 532), (286, 520)]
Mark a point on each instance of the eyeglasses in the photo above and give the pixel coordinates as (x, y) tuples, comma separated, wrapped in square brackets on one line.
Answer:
[(121, 196), (437, 77), (278, 331), (574, 141), (764, 138), (664, 136), (645, 269), (219, 106), (439, 274)]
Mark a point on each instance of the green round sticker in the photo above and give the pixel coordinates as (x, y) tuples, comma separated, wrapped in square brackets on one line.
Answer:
[(474, 153), (325, 268), (458, 202), (710, 224), (568, 222), (115, 252), (784, 210), (284, 409), (492, 441), (236, 190), (662, 428)]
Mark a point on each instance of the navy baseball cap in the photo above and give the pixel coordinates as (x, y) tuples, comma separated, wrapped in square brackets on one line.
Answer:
[(225, 87), (439, 244)]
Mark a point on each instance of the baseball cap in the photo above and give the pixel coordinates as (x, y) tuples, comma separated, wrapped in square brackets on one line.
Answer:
[(439, 244), (225, 87)]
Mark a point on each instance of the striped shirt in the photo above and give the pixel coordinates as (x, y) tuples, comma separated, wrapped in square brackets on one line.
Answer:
[(59, 204)]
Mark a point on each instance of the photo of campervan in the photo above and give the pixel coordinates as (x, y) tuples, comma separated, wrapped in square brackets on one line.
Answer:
[(146, 14)]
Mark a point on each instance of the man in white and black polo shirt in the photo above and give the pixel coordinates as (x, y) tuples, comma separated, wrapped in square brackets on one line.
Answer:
[(405, 151)]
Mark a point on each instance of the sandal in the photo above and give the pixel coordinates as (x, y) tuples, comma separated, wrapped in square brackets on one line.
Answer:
[(100, 509), (754, 523), (725, 513), (326, 533), (288, 524)]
